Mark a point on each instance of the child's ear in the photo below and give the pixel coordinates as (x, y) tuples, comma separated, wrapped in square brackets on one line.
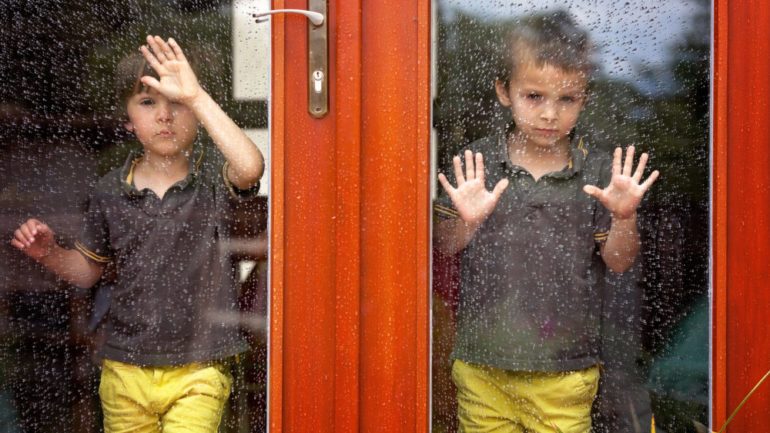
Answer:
[(586, 100), (503, 93), (129, 126)]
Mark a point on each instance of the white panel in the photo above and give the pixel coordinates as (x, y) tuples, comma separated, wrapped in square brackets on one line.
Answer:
[(260, 137), (433, 163), (251, 51)]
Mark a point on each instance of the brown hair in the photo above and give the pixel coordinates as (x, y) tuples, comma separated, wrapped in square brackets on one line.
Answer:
[(128, 74), (549, 39)]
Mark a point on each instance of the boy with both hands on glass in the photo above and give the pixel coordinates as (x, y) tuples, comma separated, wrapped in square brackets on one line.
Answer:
[(158, 221), (534, 247)]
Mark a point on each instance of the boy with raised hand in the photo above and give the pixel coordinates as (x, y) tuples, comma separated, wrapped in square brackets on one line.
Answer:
[(158, 221), (526, 355)]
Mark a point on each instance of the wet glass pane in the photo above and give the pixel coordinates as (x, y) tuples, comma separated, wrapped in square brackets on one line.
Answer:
[(525, 301), (180, 246)]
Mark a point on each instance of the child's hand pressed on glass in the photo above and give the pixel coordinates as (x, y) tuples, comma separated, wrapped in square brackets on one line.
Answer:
[(624, 193), (177, 79), (471, 198)]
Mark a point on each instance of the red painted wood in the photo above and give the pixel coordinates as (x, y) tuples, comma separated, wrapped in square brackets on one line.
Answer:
[(350, 224), (744, 113), (306, 236), (277, 229), (347, 81), (719, 206), (332, 309), (349, 345), (395, 222)]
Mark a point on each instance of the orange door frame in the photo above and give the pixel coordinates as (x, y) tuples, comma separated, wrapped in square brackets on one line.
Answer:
[(349, 324), (350, 270), (741, 212)]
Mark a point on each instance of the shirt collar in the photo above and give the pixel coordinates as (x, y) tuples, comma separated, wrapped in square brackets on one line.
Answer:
[(578, 154), (127, 171)]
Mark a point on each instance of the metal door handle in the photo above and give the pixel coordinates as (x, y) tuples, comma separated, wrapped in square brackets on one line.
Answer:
[(318, 54), (316, 18)]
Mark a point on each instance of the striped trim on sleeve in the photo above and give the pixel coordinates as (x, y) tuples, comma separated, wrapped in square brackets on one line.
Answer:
[(90, 254), (232, 189), (229, 185), (445, 212), (601, 236)]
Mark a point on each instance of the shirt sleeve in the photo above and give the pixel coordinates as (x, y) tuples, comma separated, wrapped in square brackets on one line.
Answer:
[(236, 193), (602, 216), (94, 239), (443, 208)]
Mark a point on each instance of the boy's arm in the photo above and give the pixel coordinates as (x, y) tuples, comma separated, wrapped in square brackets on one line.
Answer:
[(451, 236), (245, 163), (178, 83), (37, 241), (622, 245), (621, 197), (471, 200)]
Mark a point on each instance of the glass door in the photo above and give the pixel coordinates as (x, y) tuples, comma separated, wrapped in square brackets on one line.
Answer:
[(61, 131), (648, 86)]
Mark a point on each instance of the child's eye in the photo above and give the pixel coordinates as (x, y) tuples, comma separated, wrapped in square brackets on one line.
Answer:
[(146, 101), (534, 96), (568, 99)]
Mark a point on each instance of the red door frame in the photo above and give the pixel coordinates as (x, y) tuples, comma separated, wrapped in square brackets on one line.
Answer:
[(349, 324), (350, 270), (741, 212)]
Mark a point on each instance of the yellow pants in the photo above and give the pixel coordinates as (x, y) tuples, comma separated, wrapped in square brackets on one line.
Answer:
[(502, 401), (187, 398)]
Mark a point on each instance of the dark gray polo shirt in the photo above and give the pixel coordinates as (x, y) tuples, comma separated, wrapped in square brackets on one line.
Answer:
[(175, 291), (529, 298)]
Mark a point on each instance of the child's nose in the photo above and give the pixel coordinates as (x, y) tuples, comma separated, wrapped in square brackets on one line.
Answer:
[(550, 111), (165, 112)]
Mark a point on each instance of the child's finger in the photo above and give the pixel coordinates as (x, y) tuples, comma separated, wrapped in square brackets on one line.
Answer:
[(616, 161), (177, 49), (650, 180), (640, 168), (151, 59), (151, 82), (445, 183), (629, 163), (26, 234), (35, 226), (165, 48), (152, 41), (499, 188), (458, 171), (18, 244), (41, 229), (592, 191), (479, 167), (19, 236), (469, 172)]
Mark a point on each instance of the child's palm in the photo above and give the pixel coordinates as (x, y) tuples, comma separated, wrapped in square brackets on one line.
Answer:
[(178, 82), (177, 79), (624, 193), (471, 198)]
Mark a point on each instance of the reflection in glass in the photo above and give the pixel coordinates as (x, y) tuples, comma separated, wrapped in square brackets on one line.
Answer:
[(651, 89), (59, 135)]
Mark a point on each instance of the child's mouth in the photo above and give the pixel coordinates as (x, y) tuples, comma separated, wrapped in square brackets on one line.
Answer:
[(547, 131)]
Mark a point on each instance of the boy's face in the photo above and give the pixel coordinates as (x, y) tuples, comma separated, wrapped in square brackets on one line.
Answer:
[(164, 127), (546, 102)]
